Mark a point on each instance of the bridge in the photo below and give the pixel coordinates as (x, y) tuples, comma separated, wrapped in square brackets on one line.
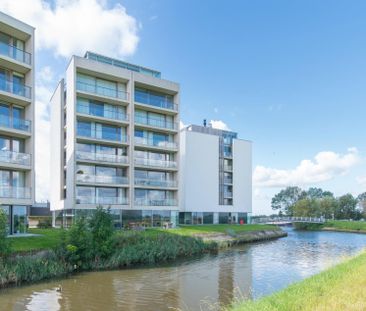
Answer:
[(281, 221)]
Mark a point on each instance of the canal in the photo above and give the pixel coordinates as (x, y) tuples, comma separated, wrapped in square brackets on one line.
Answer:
[(247, 271)]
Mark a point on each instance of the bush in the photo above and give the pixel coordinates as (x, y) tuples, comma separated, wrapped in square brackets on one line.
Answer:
[(5, 246)]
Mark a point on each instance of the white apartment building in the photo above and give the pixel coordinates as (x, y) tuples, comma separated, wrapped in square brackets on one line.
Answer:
[(115, 138), (17, 183), (215, 176)]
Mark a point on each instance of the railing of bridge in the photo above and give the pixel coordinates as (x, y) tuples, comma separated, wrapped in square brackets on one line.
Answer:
[(264, 220)]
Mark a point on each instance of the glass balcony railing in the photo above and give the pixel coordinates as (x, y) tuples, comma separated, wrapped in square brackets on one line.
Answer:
[(101, 90), (101, 179), (228, 154), (156, 123), (228, 180), (13, 157), (15, 192), (155, 163), (157, 202), (161, 101), (102, 135), (228, 167), (101, 200), (228, 195), (15, 123), (15, 88), (155, 143), (15, 53), (107, 113), (155, 182), (102, 157)]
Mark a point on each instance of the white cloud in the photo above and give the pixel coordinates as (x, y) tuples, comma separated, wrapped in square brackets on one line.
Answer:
[(325, 166), (218, 124), (361, 180), (74, 26)]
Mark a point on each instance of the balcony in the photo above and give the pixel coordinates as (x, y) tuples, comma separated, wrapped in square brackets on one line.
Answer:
[(15, 123), (155, 143), (228, 181), (156, 123), (155, 183), (160, 101), (101, 90), (102, 135), (155, 163), (101, 179), (10, 192), (228, 195), (228, 168), (228, 154), (162, 202), (101, 157), (12, 157), (15, 88), (15, 53), (105, 113), (101, 200)]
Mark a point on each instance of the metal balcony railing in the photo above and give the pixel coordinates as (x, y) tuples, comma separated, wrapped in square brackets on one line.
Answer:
[(102, 157), (156, 123), (155, 163), (155, 182), (12, 192), (15, 53), (101, 200), (13, 157), (15, 123), (162, 202), (155, 143), (101, 179), (101, 90), (161, 101), (107, 113), (19, 89), (102, 135)]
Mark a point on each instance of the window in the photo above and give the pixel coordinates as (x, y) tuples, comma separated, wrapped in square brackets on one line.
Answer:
[(84, 128)]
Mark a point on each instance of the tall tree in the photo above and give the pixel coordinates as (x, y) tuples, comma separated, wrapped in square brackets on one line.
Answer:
[(362, 202), (318, 193), (347, 208), (284, 200)]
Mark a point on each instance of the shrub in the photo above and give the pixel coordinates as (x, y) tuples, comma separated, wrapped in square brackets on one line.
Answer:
[(5, 247)]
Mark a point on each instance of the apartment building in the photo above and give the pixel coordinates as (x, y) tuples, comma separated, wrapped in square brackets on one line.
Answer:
[(16, 121), (215, 176), (115, 138)]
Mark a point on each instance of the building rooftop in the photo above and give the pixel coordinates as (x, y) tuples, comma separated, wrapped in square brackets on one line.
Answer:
[(122, 64), (208, 129)]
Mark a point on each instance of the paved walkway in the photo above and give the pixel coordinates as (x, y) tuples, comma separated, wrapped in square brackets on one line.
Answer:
[(23, 235)]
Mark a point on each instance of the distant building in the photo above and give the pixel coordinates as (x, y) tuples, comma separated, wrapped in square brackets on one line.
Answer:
[(215, 176), (17, 183)]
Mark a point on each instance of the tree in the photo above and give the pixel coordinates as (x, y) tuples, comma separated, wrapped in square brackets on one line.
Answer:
[(285, 199), (361, 198), (101, 227), (328, 206), (347, 208), (318, 193)]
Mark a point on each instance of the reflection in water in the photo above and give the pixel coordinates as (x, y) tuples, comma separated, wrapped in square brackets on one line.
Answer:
[(253, 270)]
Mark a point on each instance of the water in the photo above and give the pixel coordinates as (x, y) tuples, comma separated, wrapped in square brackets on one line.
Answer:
[(248, 271)]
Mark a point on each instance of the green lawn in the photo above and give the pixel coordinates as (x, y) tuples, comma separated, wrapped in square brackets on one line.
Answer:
[(346, 225), (341, 288), (209, 229), (51, 237)]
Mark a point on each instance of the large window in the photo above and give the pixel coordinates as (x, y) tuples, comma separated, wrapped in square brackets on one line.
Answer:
[(153, 98), (19, 219)]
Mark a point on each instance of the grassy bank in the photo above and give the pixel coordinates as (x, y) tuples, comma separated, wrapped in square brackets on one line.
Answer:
[(340, 288), (47, 256), (49, 238), (335, 225)]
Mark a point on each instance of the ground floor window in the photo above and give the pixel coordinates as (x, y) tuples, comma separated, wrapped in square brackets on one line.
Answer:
[(17, 218)]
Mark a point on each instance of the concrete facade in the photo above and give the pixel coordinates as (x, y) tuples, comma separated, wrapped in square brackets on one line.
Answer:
[(17, 187), (216, 176)]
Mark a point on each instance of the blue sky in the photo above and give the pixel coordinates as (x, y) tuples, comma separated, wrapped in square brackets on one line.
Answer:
[(288, 75)]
